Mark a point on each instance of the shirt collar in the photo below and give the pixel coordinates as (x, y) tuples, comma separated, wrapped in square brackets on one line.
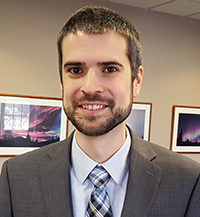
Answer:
[(116, 165)]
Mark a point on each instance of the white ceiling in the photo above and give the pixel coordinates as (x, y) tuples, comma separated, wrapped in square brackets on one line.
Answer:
[(185, 8)]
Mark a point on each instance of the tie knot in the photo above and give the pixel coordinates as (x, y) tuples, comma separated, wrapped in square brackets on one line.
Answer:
[(99, 176)]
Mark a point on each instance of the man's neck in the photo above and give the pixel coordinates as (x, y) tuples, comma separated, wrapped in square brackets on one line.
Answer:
[(102, 148)]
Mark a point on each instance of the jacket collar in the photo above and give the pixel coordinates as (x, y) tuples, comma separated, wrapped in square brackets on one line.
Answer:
[(143, 181), (55, 179)]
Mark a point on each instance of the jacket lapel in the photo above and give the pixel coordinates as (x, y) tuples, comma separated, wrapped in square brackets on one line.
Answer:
[(144, 178), (55, 178)]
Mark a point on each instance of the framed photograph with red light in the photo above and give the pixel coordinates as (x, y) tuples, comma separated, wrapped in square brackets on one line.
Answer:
[(28, 123), (185, 135)]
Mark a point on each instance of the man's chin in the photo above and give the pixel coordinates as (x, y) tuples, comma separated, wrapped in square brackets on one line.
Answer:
[(96, 129), (93, 132), (101, 125)]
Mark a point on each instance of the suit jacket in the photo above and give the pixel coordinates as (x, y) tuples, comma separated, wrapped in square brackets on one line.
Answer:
[(160, 184)]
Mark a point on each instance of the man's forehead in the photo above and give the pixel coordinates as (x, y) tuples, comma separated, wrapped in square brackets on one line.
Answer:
[(81, 47), (81, 39), (104, 41)]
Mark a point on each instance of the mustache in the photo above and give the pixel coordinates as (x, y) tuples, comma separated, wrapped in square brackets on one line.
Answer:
[(93, 98)]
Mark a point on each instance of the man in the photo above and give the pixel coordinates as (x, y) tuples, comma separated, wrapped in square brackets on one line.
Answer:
[(101, 73)]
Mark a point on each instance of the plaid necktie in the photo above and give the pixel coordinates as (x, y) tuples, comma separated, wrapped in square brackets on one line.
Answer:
[(99, 203)]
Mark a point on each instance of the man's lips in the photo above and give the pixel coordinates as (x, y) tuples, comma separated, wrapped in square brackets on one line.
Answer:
[(93, 103)]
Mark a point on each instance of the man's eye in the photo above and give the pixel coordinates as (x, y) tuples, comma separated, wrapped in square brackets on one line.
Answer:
[(75, 70), (110, 69)]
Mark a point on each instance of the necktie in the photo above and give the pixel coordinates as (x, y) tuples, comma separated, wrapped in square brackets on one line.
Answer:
[(99, 203)]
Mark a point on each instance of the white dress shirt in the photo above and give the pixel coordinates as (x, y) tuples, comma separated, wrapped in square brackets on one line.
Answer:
[(116, 166)]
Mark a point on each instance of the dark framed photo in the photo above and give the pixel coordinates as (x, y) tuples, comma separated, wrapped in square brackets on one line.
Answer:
[(185, 135), (27, 123), (139, 120)]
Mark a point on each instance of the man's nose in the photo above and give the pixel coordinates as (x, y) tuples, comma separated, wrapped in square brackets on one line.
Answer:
[(92, 83)]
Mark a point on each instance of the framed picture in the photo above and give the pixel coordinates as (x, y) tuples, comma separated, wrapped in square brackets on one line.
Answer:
[(139, 120), (185, 135), (27, 123)]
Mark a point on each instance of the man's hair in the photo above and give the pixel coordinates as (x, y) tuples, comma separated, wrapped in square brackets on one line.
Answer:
[(101, 20)]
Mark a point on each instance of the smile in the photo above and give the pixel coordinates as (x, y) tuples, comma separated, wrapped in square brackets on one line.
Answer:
[(93, 107)]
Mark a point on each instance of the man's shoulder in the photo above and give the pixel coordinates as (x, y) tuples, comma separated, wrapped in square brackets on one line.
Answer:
[(163, 157), (174, 164), (166, 156), (41, 155)]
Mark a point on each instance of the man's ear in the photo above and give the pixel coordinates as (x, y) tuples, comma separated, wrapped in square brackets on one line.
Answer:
[(137, 83)]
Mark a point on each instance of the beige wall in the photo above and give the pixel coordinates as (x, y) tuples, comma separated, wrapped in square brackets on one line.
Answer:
[(28, 59)]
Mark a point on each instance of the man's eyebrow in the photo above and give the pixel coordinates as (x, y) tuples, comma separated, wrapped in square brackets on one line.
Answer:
[(104, 63), (107, 63), (71, 63)]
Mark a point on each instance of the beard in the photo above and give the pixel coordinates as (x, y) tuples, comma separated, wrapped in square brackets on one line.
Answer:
[(93, 127)]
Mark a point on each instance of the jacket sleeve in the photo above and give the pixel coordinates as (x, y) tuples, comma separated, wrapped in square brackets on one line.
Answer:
[(193, 209), (5, 195)]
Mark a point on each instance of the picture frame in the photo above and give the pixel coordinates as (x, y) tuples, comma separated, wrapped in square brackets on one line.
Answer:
[(139, 120), (185, 133), (29, 122)]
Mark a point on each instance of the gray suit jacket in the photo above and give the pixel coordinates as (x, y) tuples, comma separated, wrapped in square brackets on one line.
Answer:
[(161, 183)]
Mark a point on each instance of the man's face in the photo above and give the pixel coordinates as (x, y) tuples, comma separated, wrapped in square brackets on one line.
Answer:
[(97, 87)]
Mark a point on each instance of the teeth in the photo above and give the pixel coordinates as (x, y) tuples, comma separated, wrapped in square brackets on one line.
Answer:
[(92, 107)]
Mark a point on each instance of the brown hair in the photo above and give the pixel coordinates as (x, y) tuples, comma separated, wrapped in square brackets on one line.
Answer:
[(100, 20)]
